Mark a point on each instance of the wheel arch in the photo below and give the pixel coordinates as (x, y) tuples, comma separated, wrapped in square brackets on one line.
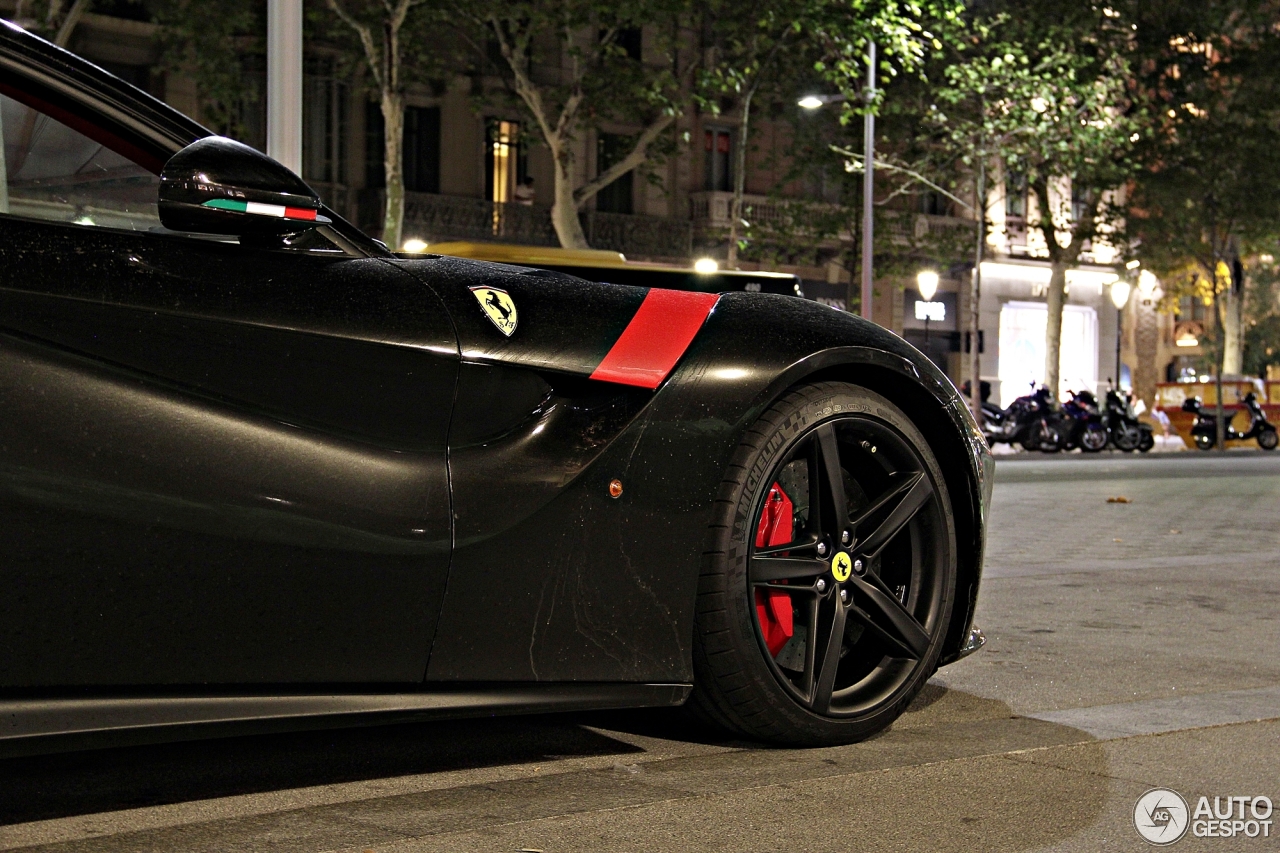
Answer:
[(899, 380)]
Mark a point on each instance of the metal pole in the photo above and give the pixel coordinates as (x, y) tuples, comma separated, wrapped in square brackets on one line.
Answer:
[(284, 82), (975, 287), (868, 181)]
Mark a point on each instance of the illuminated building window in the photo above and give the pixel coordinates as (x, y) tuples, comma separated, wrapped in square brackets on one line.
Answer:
[(1022, 352), (504, 160)]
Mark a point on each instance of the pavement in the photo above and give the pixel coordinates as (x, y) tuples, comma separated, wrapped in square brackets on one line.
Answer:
[(1132, 644)]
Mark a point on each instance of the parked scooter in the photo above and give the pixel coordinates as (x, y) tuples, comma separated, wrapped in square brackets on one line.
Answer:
[(1205, 430), (1127, 433), (1029, 421), (1080, 424)]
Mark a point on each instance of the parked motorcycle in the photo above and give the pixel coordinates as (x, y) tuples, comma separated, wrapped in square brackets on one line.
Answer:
[(1029, 421), (1080, 424), (1126, 432), (1205, 430)]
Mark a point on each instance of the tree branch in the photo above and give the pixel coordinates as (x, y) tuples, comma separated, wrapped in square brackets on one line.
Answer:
[(74, 14), (892, 167), (633, 159), (371, 53), (524, 86)]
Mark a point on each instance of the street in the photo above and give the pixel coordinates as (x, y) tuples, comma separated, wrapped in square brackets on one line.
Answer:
[(1131, 645)]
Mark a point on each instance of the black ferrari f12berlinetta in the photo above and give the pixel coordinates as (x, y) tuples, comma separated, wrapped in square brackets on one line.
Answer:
[(258, 470)]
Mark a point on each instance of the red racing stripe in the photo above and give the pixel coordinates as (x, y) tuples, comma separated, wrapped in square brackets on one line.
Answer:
[(299, 213), (656, 337)]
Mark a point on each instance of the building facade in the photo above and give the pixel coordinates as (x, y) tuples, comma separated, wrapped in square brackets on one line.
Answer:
[(476, 174)]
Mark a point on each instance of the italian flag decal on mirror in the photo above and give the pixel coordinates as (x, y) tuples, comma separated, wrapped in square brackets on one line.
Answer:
[(277, 210)]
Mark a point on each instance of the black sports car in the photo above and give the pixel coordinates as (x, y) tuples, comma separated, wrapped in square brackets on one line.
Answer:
[(254, 468)]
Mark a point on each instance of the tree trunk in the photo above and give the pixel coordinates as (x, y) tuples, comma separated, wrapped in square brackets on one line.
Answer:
[(68, 25), (393, 166), (739, 179), (564, 209), (1053, 327), (1232, 334)]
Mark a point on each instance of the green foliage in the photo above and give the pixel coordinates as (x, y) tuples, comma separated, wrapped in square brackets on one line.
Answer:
[(207, 41), (1262, 319), (599, 81), (1054, 105), (1211, 72)]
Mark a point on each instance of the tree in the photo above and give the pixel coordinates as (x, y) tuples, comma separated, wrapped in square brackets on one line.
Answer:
[(1262, 317), (775, 39), (985, 111), (1203, 206), (1078, 157), (56, 23), (573, 66), (206, 41), (971, 108), (381, 27)]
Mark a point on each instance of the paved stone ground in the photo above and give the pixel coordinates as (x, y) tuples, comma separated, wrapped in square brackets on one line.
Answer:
[(1131, 645)]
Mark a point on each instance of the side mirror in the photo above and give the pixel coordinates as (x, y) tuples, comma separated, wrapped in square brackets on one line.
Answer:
[(219, 186)]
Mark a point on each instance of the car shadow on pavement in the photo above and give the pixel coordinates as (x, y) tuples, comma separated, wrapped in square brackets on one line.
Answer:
[(61, 785)]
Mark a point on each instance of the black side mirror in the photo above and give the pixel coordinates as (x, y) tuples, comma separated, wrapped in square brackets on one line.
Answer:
[(219, 186)]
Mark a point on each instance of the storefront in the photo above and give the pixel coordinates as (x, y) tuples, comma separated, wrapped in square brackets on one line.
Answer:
[(1013, 305)]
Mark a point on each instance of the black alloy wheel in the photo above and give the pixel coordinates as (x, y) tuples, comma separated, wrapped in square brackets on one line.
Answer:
[(1267, 439), (1204, 442), (867, 574)]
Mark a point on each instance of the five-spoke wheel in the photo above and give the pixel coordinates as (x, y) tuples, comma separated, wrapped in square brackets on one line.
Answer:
[(838, 575)]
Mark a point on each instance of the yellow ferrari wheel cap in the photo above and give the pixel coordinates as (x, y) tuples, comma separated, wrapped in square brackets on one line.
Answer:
[(499, 307), (841, 567)]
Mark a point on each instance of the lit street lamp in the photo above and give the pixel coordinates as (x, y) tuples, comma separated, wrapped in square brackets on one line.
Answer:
[(1120, 292), (813, 102), (927, 284)]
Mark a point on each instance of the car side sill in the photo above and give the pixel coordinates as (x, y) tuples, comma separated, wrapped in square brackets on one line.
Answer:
[(36, 726)]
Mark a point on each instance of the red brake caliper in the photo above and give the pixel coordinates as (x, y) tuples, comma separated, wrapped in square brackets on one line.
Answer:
[(774, 607)]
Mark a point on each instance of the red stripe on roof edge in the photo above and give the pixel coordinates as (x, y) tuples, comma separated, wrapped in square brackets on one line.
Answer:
[(655, 339)]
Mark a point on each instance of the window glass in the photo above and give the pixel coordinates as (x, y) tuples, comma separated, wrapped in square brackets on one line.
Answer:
[(51, 171), (617, 197), (718, 146)]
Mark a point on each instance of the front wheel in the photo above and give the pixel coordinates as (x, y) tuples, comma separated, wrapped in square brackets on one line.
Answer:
[(1204, 442), (1147, 442), (828, 585), (1093, 438), (1267, 439)]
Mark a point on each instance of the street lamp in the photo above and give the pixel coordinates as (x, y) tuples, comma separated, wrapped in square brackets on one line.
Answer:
[(812, 102), (1120, 291), (927, 284)]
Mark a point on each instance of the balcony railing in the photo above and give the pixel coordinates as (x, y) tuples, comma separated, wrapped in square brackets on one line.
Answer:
[(713, 208), (639, 236), (436, 218)]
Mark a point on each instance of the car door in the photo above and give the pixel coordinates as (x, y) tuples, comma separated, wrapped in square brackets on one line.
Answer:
[(219, 465)]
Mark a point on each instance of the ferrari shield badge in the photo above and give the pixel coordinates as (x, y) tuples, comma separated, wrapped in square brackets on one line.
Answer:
[(498, 307)]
